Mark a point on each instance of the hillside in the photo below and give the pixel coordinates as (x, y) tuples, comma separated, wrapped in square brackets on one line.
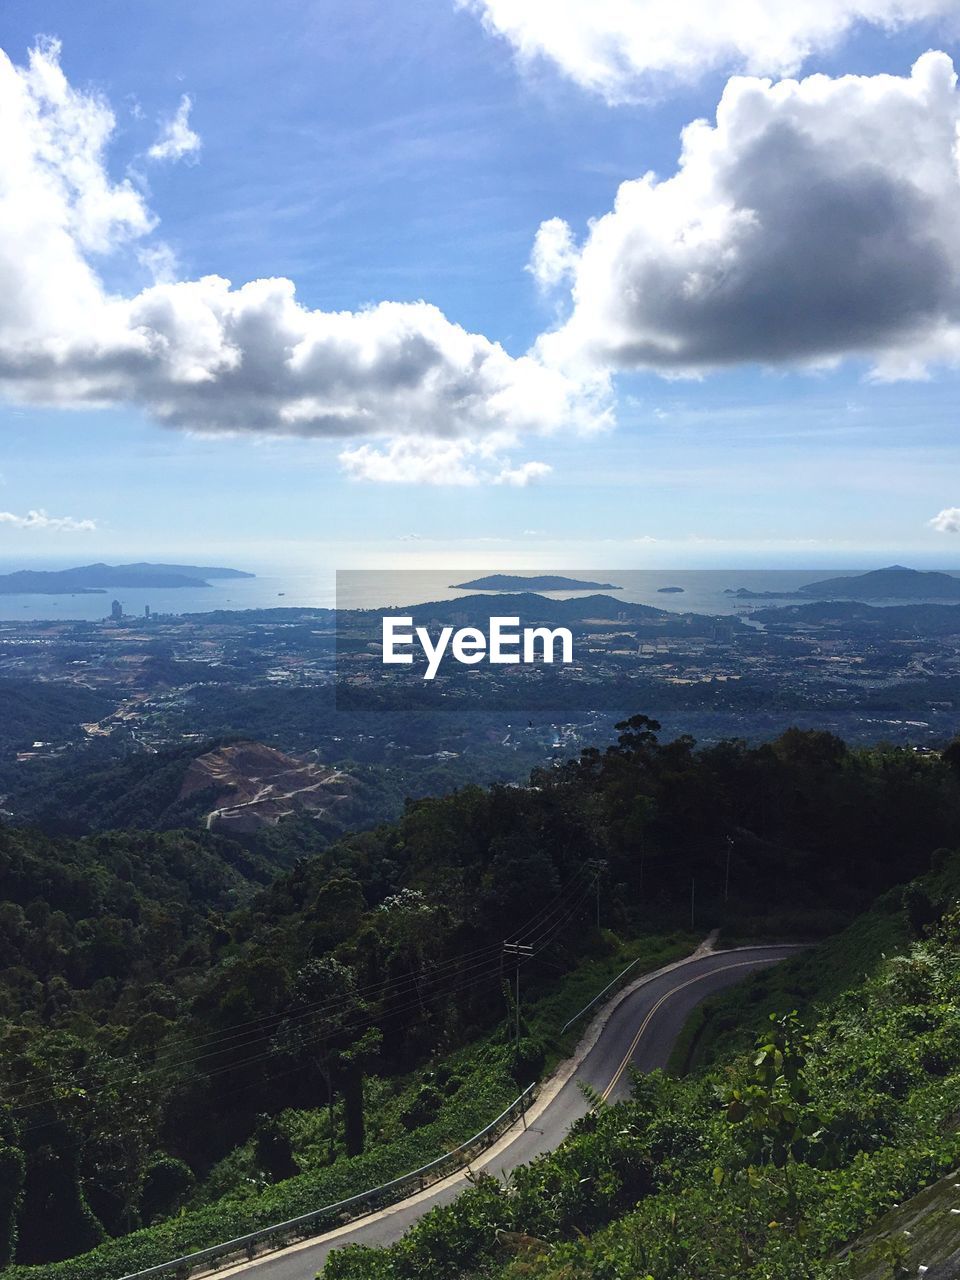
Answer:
[(255, 786), (160, 1013), (768, 1169), (241, 789), (34, 710), (854, 617)]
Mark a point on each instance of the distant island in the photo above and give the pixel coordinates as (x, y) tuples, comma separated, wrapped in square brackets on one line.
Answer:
[(670, 591), (545, 582), (892, 583), (98, 578), (744, 593)]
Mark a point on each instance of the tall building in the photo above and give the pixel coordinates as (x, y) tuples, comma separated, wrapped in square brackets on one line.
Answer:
[(116, 611), (146, 611)]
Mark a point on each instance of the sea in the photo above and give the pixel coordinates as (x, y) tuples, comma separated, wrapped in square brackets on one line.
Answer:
[(700, 591)]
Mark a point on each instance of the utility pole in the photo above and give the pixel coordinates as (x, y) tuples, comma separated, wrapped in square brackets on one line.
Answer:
[(520, 952), (597, 866), (726, 878)]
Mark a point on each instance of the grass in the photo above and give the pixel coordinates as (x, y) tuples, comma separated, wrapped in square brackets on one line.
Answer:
[(725, 1026), (582, 984)]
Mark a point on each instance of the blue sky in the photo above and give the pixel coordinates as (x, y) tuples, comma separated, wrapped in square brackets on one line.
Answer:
[(386, 151)]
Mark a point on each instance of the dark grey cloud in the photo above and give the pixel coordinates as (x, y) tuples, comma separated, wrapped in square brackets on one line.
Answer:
[(814, 221)]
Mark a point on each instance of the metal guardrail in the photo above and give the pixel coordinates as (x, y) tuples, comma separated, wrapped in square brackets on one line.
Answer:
[(600, 994), (319, 1221)]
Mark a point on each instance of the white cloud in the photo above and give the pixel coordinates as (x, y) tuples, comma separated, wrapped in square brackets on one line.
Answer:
[(204, 356), (177, 139), (411, 460), (624, 49), (946, 521), (160, 261), (815, 220), (519, 477), (40, 520), (554, 257)]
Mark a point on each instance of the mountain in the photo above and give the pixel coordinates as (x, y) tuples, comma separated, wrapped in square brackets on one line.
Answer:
[(855, 618), (543, 582), (893, 583), (236, 788), (101, 577), (252, 786), (191, 570), (529, 607)]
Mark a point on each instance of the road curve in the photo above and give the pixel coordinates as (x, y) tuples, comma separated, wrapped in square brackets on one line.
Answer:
[(640, 1032)]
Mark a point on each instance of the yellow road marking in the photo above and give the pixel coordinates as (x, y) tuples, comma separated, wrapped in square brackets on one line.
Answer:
[(741, 964)]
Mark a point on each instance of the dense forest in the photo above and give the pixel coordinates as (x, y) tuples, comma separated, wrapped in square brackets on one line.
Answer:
[(770, 1167), (167, 996), (32, 710)]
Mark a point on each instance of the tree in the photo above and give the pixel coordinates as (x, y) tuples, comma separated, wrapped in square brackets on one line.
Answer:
[(12, 1169), (272, 1150), (770, 1109), (328, 1026)]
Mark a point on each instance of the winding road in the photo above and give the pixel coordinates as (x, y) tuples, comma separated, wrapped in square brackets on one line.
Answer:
[(639, 1031)]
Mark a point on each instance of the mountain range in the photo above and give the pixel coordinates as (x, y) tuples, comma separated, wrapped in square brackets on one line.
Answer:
[(102, 577)]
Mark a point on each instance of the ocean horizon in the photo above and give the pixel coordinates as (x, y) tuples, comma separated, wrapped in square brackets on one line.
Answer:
[(701, 591)]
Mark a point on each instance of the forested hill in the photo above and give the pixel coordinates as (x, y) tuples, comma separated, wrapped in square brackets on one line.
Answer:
[(33, 710), (773, 1167), (159, 1009)]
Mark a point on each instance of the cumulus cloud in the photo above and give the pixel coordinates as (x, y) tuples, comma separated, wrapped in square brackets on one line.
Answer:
[(411, 461), (520, 477), (177, 140), (40, 520), (622, 49), (814, 220), (554, 257), (947, 520), (450, 462), (205, 356)]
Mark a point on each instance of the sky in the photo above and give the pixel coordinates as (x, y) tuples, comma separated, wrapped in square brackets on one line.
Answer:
[(514, 282)]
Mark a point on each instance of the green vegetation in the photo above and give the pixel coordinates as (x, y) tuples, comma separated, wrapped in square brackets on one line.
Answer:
[(186, 1030), (724, 1025), (33, 711), (762, 1170)]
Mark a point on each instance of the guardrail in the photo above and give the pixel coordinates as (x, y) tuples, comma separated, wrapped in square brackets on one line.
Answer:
[(600, 994), (319, 1221)]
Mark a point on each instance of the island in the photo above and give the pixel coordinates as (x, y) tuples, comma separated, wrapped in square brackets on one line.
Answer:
[(893, 583), (670, 591), (97, 578), (744, 593), (543, 582)]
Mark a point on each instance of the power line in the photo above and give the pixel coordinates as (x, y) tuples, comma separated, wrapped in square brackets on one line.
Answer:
[(255, 1030), (402, 987)]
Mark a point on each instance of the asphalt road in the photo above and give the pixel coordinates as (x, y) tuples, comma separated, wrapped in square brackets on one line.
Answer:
[(641, 1033)]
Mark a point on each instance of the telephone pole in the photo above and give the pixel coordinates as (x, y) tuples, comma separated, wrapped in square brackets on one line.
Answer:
[(520, 952), (597, 866)]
